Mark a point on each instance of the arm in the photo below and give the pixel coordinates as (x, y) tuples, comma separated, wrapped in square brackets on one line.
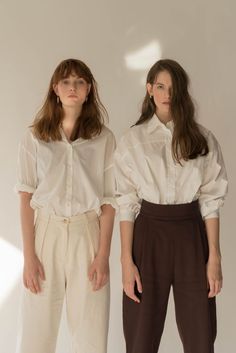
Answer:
[(130, 273), (26, 185), (99, 269), (214, 272), (212, 194), (33, 269), (129, 205)]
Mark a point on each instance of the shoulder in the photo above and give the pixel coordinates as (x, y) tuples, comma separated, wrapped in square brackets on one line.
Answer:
[(105, 135), (106, 132), (28, 137), (210, 137), (133, 136)]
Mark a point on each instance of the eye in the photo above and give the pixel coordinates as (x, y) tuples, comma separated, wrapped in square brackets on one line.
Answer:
[(160, 86), (65, 81), (80, 82)]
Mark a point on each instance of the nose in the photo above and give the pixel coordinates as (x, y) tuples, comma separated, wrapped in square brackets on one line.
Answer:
[(72, 87), (168, 93)]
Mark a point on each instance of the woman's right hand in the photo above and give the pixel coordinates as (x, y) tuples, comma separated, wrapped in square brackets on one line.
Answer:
[(33, 273), (130, 275)]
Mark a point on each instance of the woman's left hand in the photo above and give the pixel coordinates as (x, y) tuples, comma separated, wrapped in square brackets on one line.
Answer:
[(99, 272), (214, 276)]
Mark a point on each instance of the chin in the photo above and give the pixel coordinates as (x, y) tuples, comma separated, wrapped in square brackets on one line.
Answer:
[(73, 102)]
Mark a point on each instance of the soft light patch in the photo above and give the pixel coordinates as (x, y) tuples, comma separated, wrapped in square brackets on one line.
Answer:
[(11, 262), (143, 58)]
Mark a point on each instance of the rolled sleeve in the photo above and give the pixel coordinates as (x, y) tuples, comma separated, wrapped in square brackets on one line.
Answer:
[(27, 165), (215, 184), (127, 198), (129, 206)]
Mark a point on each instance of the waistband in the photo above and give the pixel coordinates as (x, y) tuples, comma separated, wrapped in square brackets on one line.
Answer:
[(81, 217), (170, 212)]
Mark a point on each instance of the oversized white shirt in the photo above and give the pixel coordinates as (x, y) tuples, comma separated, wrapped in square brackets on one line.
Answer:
[(67, 178), (145, 169)]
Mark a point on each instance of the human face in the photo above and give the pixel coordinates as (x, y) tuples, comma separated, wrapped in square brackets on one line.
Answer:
[(161, 90), (72, 91)]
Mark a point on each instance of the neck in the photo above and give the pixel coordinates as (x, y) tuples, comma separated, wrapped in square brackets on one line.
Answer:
[(70, 116), (164, 118)]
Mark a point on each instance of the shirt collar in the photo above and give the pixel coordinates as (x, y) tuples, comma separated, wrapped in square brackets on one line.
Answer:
[(155, 123), (63, 136)]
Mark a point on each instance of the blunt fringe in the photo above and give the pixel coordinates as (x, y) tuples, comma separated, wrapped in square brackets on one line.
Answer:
[(47, 123)]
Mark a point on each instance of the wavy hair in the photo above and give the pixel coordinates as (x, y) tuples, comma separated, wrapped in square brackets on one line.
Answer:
[(188, 142), (47, 123)]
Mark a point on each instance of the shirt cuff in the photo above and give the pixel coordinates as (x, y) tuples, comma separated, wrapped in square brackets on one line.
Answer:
[(215, 214), (127, 215), (24, 188), (110, 201)]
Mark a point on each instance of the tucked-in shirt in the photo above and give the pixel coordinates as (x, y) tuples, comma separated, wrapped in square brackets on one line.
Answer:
[(145, 169), (67, 178)]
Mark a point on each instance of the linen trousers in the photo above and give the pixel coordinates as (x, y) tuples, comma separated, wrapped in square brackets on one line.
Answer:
[(170, 248), (66, 247)]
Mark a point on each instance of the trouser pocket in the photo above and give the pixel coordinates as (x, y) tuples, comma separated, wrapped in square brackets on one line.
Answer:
[(40, 229)]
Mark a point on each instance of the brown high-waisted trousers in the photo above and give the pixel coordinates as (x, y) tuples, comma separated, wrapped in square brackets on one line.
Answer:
[(170, 248)]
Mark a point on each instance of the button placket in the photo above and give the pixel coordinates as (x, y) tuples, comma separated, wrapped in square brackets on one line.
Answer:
[(69, 180), (170, 192)]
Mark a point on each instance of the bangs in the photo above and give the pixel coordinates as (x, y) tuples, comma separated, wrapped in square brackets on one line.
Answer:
[(72, 67)]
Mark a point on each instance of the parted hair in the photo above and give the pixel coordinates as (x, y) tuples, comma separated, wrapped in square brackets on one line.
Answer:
[(46, 125), (188, 142)]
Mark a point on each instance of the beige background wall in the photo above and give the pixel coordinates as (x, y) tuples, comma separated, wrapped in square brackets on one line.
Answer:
[(119, 40)]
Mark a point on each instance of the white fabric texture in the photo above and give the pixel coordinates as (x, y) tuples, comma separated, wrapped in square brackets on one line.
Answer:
[(67, 178), (145, 169)]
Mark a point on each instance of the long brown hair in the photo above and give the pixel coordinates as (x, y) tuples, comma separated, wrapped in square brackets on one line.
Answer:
[(48, 120), (188, 142)]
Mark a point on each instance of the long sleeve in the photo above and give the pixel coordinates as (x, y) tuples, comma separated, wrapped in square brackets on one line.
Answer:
[(26, 164), (127, 198), (214, 184), (109, 178)]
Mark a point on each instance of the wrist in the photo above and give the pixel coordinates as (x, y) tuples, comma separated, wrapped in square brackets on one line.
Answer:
[(103, 254), (29, 253), (214, 250), (126, 258), (214, 256)]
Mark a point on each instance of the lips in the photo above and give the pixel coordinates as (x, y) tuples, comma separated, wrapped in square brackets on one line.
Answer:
[(72, 96)]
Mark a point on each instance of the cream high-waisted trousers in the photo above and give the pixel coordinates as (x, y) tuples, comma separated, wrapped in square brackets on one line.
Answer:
[(66, 247)]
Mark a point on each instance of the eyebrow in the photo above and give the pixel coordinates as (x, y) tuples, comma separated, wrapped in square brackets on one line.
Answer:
[(75, 76)]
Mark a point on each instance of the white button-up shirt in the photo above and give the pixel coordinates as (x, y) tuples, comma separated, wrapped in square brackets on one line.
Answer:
[(67, 178), (145, 169)]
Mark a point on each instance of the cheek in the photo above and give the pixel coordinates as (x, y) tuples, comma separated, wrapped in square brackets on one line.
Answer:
[(83, 92), (157, 97), (61, 90)]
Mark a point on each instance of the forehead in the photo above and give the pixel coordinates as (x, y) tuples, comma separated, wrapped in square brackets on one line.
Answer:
[(72, 75), (71, 68), (164, 77)]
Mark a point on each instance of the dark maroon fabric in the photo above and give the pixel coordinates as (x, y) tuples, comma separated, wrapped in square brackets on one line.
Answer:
[(170, 248)]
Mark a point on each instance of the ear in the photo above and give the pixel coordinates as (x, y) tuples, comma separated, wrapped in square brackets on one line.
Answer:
[(149, 89), (89, 87), (55, 89)]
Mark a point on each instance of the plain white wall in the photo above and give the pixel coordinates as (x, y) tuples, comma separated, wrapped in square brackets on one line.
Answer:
[(36, 35)]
